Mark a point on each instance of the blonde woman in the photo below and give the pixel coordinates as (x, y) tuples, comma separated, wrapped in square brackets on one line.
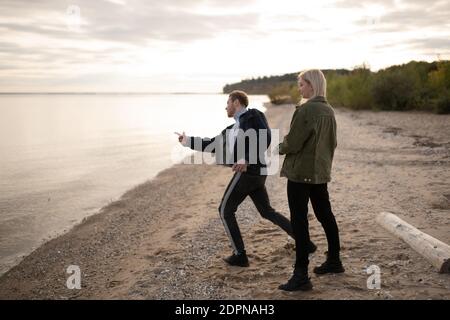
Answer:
[(309, 148)]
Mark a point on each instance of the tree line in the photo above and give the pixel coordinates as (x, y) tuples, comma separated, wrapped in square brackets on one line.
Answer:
[(423, 86)]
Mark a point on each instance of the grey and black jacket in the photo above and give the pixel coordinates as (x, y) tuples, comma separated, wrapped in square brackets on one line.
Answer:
[(252, 140)]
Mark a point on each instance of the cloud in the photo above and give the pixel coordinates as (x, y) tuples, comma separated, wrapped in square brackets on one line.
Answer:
[(111, 32), (433, 45), (133, 22), (138, 38), (410, 19)]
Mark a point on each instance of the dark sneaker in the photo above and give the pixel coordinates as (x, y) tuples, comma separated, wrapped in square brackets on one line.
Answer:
[(297, 283), (239, 260), (330, 266)]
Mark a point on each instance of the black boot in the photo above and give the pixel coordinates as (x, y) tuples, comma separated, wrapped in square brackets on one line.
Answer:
[(298, 282), (239, 260), (331, 265)]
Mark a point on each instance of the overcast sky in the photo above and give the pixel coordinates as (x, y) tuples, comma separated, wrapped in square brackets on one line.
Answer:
[(198, 46)]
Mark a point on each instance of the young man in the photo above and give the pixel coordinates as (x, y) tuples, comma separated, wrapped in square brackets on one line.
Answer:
[(234, 144)]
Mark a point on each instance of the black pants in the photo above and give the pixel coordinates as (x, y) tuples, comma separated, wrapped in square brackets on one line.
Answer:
[(298, 198), (241, 186)]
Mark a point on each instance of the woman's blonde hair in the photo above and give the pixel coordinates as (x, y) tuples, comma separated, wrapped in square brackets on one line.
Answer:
[(317, 80)]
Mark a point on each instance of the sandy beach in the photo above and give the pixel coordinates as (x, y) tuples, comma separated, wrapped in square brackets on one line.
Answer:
[(164, 239)]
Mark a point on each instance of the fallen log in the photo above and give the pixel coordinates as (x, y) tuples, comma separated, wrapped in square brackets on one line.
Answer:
[(434, 250)]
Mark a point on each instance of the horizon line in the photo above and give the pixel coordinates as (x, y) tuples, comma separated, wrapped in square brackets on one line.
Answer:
[(105, 92)]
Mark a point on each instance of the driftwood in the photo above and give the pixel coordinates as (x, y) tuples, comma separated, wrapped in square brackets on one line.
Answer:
[(434, 250)]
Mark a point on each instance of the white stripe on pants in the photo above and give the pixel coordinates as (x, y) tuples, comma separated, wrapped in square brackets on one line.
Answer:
[(233, 183)]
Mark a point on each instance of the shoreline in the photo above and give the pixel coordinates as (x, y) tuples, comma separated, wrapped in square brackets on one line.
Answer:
[(67, 228), (163, 240)]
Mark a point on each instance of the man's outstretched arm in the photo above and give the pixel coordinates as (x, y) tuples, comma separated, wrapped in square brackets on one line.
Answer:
[(198, 143)]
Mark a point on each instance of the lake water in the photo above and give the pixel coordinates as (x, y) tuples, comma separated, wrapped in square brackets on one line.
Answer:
[(63, 157)]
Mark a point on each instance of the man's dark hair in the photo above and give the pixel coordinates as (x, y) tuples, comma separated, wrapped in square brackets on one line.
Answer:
[(241, 96)]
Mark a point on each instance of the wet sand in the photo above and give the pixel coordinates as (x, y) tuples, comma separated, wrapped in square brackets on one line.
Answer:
[(164, 238)]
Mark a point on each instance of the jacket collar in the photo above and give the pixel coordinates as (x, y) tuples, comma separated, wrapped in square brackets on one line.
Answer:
[(239, 114), (318, 99), (250, 113), (315, 99)]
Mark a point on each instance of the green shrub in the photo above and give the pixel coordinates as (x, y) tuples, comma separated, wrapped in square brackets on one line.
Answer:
[(442, 105), (282, 93), (415, 85), (353, 90), (396, 90)]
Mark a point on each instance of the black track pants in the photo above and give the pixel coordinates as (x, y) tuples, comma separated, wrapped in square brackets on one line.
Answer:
[(241, 186)]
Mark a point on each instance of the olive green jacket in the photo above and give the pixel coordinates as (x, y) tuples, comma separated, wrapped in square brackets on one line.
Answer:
[(309, 146)]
